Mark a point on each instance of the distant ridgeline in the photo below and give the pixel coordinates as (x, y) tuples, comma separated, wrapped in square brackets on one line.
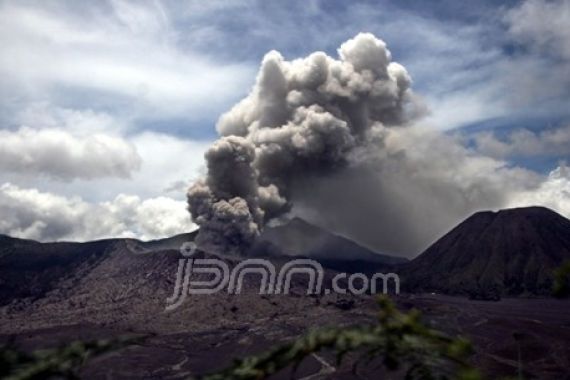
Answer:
[(509, 252)]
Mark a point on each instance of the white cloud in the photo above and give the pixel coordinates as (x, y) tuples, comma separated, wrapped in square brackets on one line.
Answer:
[(525, 143), (170, 163), (53, 152), (81, 122), (543, 25), (161, 216), (537, 74), (124, 49), (463, 107), (554, 193), (29, 213), (58, 154)]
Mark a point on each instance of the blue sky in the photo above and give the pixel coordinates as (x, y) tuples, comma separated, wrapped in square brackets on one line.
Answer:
[(455, 54), (134, 89)]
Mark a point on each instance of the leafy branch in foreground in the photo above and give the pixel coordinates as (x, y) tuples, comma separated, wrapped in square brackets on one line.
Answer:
[(58, 363), (399, 340)]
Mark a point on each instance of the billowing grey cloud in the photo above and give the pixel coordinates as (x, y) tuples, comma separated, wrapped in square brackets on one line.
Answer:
[(58, 154), (334, 141), (33, 214), (303, 117), (402, 194)]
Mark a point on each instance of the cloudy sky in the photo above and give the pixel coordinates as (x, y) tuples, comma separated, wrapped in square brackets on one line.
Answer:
[(109, 107)]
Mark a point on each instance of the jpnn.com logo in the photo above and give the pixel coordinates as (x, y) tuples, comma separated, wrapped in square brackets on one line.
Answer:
[(221, 278)]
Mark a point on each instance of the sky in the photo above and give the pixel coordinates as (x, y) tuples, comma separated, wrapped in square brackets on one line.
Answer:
[(109, 107)]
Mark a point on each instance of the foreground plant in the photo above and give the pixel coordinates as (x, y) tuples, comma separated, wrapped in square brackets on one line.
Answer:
[(399, 340), (63, 362)]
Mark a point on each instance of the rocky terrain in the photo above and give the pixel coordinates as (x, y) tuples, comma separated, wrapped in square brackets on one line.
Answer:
[(53, 293)]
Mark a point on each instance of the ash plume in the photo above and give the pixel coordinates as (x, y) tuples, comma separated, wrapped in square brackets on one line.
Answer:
[(304, 118), (337, 142)]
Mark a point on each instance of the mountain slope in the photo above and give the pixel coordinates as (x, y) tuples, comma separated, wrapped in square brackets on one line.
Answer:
[(30, 270), (124, 283), (113, 288), (300, 238), (511, 251)]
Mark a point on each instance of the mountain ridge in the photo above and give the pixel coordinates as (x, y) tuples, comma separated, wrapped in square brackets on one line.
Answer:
[(511, 252), (298, 237)]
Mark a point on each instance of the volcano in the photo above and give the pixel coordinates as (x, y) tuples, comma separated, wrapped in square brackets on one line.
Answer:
[(52, 294), (299, 238), (509, 252)]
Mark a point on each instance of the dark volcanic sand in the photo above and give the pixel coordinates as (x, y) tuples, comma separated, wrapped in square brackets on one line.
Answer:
[(544, 323)]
